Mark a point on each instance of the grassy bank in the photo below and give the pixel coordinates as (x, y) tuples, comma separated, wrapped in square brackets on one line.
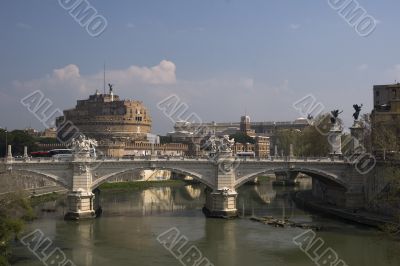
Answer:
[(37, 200), (264, 178), (140, 185)]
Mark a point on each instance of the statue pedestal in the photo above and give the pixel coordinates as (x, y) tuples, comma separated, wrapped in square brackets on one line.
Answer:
[(335, 140), (80, 205), (357, 134), (81, 156), (220, 203)]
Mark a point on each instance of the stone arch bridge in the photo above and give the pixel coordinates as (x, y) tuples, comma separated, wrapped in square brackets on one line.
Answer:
[(335, 181)]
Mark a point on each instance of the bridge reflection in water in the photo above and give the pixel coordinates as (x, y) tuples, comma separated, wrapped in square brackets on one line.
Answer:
[(153, 201), (127, 236)]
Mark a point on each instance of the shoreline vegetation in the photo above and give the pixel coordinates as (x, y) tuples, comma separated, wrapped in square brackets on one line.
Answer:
[(15, 211)]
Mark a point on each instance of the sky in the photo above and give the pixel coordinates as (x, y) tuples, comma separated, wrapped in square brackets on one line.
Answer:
[(221, 58)]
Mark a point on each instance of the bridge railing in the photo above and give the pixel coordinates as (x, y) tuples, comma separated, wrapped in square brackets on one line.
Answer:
[(179, 158), (290, 159)]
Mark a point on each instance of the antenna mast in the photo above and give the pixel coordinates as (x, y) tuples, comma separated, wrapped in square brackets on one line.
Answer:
[(104, 78)]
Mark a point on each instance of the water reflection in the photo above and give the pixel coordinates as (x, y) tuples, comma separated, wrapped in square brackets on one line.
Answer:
[(153, 201), (126, 233)]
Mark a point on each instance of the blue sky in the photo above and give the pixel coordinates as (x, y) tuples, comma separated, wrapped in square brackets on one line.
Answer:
[(221, 57)]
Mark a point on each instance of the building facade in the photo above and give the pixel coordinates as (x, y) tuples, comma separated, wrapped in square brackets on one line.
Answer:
[(385, 119), (105, 116), (263, 132), (121, 127)]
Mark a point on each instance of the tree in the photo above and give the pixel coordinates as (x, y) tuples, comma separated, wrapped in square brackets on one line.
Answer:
[(386, 138), (18, 139), (243, 138), (46, 140), (166, 139), (286, 137), (15, 209)]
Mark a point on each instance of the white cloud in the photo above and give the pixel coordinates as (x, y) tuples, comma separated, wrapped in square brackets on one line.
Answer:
[(294, 26), (161, 74), (67, 72), (69, 78)]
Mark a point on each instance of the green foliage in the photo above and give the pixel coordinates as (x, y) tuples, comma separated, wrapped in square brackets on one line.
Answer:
[(285, 137), (311, 142), (165, 139), (46, 140), (37, 200), (386, 138), (15, 209), (18, 139), (243, 138)]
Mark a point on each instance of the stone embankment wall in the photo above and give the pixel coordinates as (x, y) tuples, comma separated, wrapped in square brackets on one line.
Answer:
[(10, 183), (380, 189)]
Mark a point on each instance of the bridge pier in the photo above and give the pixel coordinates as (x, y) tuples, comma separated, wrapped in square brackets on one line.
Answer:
[(80, 201), (221, 201), (80, 205)]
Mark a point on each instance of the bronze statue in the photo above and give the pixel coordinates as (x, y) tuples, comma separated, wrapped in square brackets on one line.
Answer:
[(357, 109), (111, 87), (335, 114)]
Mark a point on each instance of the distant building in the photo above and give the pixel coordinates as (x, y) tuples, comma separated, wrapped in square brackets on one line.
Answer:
[(194, 132), (32, 132), (265, 128), (261, 148), (105, 116), (49, 133), (386, 113), (121, 127), (245, 126)]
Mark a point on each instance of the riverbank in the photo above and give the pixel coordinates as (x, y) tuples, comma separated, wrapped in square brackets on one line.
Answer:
[(39, 199), (305, 200)]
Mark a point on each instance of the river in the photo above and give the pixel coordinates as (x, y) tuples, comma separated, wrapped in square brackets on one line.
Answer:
[(127, 232)]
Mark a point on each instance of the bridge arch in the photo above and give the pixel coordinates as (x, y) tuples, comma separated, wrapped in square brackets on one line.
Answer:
[(314, 173), (96, 183), (58, 180)]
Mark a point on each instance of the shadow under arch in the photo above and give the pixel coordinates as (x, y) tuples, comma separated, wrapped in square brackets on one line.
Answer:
[(96, 183), (314, 173), (58, 180)]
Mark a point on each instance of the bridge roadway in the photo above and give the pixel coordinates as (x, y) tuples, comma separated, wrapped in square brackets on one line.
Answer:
[(335, 181)]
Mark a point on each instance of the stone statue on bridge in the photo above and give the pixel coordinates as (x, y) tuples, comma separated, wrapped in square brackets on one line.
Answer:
[(83, 146), (227, 144), (220, 145), (334, 116), (357, 109)]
